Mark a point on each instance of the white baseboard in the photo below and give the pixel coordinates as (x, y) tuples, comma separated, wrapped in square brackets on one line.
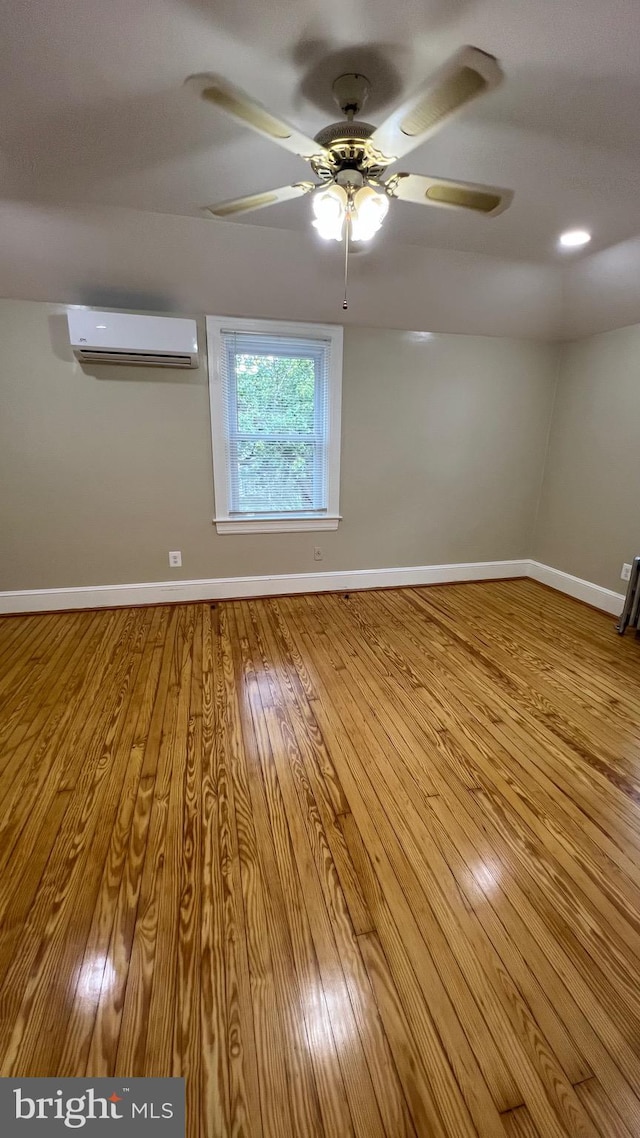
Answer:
[(224, 588), (594, 595)]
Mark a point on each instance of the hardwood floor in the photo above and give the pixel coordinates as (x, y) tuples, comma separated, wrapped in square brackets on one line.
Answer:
[(355, 867)]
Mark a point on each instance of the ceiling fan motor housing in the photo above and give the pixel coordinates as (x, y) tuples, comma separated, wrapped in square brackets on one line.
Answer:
[(349, 148)]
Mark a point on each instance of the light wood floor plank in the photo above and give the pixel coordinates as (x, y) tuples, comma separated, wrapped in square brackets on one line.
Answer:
[(288, 1027), (356, 867), (573, 865), (601, 1109), (91, 977), (146, 1001), (530, 1057), (357, 785), (106, 1030), (57, 927), (305, 818), (519, 1124)]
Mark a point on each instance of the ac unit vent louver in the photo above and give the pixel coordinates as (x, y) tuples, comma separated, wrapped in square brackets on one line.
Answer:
[(144, 359), (125, 338)]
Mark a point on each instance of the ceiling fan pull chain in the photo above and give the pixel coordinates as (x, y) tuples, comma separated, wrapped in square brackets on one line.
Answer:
[(347, 224)]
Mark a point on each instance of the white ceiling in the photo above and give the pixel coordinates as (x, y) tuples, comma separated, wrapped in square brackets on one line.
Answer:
[(93, 109)]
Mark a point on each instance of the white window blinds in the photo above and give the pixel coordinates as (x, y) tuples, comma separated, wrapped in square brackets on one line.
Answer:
[(275, 391)]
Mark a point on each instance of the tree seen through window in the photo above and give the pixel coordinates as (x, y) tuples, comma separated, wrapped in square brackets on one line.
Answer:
[(276, 432)]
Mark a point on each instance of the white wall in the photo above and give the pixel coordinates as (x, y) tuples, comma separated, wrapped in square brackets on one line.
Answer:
[(136, 260), (602, 291), (149, 261), (470, 497), (106, 469), (589, 518)]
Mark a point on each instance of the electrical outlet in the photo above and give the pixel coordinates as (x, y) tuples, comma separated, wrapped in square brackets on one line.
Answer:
[(626, 572), (175, 559), (317, 553)]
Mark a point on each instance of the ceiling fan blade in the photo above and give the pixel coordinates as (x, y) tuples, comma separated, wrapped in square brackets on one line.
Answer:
[(467, 75), (473, 196), (214, 89), (259, 201)]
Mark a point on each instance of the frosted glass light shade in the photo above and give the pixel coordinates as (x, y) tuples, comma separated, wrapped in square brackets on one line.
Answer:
[(330, 209), (370, 210)]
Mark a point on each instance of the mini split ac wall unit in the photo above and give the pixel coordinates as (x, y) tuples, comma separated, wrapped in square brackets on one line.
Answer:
[(125, 338)]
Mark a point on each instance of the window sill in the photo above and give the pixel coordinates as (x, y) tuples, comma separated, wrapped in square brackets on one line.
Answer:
[(275, 525)]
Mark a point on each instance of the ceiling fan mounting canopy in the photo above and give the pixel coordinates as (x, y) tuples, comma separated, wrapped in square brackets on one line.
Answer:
[(351, 92)]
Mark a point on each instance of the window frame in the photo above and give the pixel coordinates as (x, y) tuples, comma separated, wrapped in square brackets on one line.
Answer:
[(288, 522)]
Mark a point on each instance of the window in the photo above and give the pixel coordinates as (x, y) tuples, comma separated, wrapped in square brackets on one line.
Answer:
[(275, 393)]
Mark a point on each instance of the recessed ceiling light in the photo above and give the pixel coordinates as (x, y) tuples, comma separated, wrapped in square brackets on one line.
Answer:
[(574, 238)]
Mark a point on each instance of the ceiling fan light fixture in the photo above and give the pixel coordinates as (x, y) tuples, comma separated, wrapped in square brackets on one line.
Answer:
[(574, 238), (369, 211), (365, 208), (330, 209)]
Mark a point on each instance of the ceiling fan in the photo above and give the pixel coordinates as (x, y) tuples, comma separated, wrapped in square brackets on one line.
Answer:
[(350, 158)]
